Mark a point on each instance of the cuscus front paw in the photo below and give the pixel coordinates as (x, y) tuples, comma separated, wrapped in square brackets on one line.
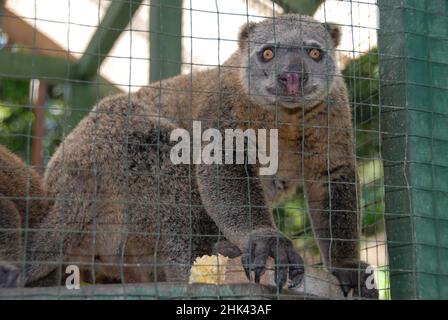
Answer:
[(9, 276), (357, 276), (266, 243)]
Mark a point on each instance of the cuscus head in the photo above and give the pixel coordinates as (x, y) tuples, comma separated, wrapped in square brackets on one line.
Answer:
[(289, 60)]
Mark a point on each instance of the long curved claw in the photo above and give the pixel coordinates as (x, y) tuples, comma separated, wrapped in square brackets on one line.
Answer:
[(271, 243)]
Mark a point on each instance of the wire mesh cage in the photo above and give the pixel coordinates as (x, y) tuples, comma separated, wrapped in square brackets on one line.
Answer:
[(93, 205)]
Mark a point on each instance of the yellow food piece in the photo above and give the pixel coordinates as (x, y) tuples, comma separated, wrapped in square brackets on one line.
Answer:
[(209, 269)]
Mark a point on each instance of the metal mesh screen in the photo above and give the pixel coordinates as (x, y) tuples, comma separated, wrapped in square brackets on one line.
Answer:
[(57, 61)]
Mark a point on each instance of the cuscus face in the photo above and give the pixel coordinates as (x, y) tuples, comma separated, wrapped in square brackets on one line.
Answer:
[(289, 61)]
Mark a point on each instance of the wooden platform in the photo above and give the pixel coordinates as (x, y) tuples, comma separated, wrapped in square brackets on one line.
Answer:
[(317, 284)]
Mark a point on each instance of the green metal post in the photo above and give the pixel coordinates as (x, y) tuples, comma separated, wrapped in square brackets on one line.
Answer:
[(413, 42), (165, 39)]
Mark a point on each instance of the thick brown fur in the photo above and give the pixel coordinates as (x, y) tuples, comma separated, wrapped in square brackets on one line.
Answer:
[(130, 214), (22, 206)]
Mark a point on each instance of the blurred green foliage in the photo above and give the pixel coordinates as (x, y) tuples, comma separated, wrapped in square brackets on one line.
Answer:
[(16, 118), (362, 78), (382, 277)]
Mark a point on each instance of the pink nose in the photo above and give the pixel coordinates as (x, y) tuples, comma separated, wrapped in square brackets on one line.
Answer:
[(293, 83)]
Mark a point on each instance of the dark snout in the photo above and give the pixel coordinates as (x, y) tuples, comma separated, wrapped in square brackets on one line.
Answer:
[(293, 77)]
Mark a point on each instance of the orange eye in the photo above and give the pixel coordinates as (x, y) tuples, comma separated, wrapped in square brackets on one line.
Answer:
[(315, 54), (268, 54)]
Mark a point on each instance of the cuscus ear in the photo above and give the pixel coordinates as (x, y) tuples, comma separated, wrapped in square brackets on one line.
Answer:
[(244, 34), (335, 33)]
